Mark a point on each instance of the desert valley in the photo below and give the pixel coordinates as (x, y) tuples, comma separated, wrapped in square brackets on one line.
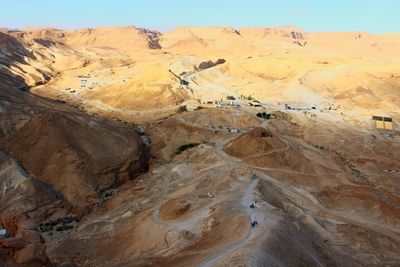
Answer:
[(199, 146)]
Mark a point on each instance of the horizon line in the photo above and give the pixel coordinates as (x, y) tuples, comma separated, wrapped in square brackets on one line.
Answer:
[(49, 27)]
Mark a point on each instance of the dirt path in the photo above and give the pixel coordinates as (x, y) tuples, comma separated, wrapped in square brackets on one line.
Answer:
[(269, 152), (218, 150), (247, 198), (211, 86), (297, 198)]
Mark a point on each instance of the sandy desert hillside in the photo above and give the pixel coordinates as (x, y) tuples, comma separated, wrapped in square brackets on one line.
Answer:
[(112, 71), (129, 147)]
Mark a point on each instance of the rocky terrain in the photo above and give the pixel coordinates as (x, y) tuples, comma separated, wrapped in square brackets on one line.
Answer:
[(52, 159), (130, 147)]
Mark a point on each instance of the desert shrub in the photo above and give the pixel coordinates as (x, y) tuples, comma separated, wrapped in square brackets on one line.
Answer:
[(53, 224), (229, 97), (206, 64), (186, 147), (182, 109), (280, 115), (220, 61), (264, 115)]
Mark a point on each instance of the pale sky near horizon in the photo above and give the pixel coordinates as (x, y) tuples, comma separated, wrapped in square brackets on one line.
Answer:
[(311, 15)]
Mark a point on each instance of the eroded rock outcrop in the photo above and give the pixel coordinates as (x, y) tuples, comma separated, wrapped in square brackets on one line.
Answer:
[(23, 245), (81, 157), (55, 161)]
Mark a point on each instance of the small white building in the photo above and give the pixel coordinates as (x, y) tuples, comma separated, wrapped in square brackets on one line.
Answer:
[(3, 232)]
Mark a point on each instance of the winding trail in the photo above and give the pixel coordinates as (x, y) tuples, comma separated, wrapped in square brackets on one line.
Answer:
[(246, 199), (248, 196), (294, 196)]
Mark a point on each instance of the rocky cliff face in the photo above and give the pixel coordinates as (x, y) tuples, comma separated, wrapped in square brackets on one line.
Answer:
[(24, 245), (54, 160), (124, 38), (80, 156)]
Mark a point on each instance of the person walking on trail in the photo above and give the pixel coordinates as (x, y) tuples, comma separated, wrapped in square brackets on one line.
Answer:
[(253, 220), (252, 205)]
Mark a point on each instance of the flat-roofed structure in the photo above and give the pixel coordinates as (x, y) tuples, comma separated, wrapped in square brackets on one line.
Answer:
[(388, 125), (383, 123)]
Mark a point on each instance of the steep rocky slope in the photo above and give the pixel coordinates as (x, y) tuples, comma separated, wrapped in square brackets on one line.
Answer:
[(127, 38), (55, 160)]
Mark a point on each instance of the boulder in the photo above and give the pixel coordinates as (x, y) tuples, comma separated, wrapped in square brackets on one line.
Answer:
[(26, 224), (12, 242), (31, 253), (30, 236)]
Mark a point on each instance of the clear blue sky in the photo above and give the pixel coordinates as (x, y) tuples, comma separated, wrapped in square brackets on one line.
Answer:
[(311, 15)]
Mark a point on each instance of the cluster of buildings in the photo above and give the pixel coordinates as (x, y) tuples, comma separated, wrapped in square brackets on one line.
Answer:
[(228, 104), (300, 106), (221, 103), (84, 82), (324, 106)]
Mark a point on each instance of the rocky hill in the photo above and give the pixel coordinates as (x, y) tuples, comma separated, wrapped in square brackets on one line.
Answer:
[(124, 146), (127, 38), (56, 161)]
